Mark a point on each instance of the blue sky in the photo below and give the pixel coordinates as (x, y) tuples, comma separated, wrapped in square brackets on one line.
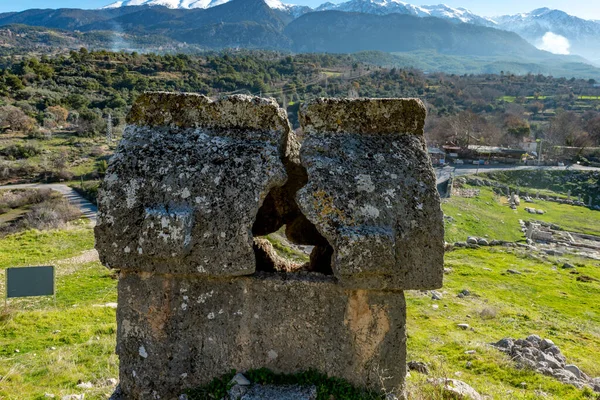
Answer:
[(589, 9)]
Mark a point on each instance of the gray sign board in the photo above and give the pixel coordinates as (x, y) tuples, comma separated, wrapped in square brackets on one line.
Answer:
[(29, 281)]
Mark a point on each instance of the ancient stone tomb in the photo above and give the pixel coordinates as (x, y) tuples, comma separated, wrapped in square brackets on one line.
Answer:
[(195, 182)]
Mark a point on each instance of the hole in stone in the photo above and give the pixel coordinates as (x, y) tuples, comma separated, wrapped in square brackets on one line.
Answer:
[(284, 240)]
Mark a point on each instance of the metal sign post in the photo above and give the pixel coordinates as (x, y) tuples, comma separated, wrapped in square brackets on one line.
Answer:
[(30, 282)]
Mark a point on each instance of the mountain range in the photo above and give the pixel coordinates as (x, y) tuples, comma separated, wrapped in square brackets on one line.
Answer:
[(437, 37), (583, 36)]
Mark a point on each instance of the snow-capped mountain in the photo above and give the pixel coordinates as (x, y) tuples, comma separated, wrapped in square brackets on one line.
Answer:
[(546, 28), (187, 4), (378, 7), (383, 7), (543, 20)]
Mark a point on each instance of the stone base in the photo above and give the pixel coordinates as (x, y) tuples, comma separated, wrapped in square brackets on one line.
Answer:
[(180, 332)]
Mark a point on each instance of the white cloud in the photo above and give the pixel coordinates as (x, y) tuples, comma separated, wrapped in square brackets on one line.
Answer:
[(554, 43)]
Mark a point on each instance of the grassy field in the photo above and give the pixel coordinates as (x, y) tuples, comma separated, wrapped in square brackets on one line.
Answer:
[(544, 300), (50, 348), (488, 215)]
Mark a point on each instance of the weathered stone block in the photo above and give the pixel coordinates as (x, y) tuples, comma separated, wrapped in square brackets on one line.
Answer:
[(371, 191), (177, 332), (182, 192)]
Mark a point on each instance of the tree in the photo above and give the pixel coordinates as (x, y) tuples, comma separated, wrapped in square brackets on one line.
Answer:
[(517, 127), (565, 130), (58, 114), (593, 129), (15, 119)]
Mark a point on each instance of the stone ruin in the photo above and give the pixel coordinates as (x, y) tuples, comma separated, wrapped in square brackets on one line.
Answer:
[(195, 181)]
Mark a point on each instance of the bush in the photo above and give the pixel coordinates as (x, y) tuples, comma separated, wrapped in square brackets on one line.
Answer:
[(50, 214), (58, 175), (488, 313), (20, 151), (10, 199), (11, 170)]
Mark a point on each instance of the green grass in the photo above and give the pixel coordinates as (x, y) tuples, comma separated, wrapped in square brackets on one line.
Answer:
[(489, 215), (545, 300), (58, 346), (38, 247)]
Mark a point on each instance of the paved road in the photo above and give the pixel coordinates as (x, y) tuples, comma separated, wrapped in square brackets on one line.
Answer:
[(88, 209), (443, 174)]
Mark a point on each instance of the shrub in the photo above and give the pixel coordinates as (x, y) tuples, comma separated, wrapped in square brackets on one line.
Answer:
[(11, 199), (57, 175), (488, 313), (10, 170), (20, 151), (58, 114), (51, 214)]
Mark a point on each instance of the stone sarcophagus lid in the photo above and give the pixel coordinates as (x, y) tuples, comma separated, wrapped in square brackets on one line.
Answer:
[(193, 186)]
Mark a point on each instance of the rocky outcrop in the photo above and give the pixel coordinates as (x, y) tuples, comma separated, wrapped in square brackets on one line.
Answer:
[(545, 357)]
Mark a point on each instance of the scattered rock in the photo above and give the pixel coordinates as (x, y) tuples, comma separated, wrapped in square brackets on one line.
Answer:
[(472, 240), (463, 326), (456, 389), (546, 344), (111, 382), (73, 397), (85, 385), (568, 266), (545, 357), (419, 367), (49, 395), (435, 295), (483, 242), (470, 352), (240, 379), (512, 271), (574, 370), (284, 392), (448, 270), (237, 392)]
